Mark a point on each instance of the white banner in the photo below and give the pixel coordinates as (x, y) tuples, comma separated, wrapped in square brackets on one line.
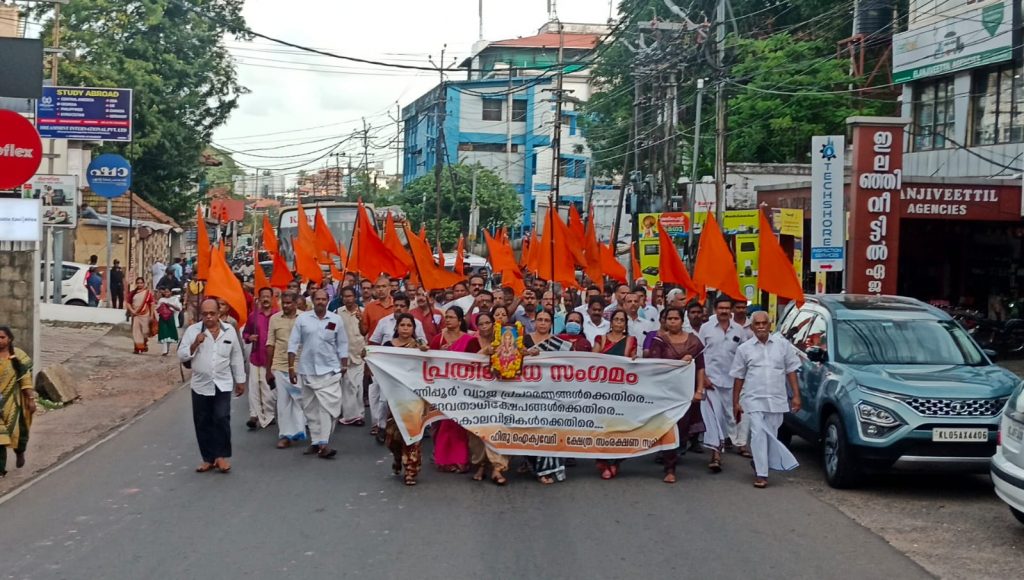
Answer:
[(19, 220), (59, 196), (828, 208), (564, 404)]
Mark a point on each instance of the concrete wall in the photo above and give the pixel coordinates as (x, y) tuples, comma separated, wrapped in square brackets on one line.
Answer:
[(18, 287)]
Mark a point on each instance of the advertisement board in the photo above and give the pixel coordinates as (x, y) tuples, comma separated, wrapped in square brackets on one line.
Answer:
[(19, 220), (975, 37), (828, 207), (109, 175), (59, 197), (85, 113)]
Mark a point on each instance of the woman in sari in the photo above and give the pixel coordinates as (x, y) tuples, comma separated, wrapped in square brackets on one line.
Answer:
[(617, 340), (17, 400), (547, 469), (674, 343), (451, 441), (407, 457), (140, 307), (573, 332), (480, 454), (500, 314)]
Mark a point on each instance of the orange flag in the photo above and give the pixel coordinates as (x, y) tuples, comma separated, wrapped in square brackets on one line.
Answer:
[(432, 276), (568, 241), (222, 283), (556, 260), (394, 243), (460, 258), (610, 265), (423, 232), (536, 243), (592, 251), (269, 239), (203, 247), (672, 269), (635, 263), (259, 276), (440, 256), (775, 271), (281, 275), (503, 262), (524, 252), (336, 274), (343, 254), (306, 233), (715, 266), (305, 261), (370, 257), (579, 233), (326, 246)]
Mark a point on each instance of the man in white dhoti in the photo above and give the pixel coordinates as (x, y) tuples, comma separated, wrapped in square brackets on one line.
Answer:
[(352, 385), (323, 341), (762, 368), (291, 421), (721, 340)]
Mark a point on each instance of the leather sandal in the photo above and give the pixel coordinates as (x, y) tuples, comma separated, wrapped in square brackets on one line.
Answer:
[(669, 477), (326, 452), (284, 443), (204, 467)]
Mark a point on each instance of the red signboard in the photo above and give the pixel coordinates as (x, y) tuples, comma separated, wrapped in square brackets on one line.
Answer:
[(875, 189), (21, 150), (986, 201)]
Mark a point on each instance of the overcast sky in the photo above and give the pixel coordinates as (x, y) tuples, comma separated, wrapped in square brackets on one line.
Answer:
[(321, 100)]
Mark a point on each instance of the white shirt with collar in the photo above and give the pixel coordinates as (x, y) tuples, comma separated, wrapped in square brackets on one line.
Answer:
[(649, 312), (720, 348), (763, 366), (592, 331), (465, 303), (324, 343), (218, 363), (639, 328), (385, 330)]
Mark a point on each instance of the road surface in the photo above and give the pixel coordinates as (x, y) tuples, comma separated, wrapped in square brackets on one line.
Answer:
[(133, 508)]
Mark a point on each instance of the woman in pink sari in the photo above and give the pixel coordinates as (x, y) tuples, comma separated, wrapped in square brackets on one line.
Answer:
[(451, 442)]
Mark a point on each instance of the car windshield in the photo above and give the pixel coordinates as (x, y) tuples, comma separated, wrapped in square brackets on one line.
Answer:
[(905, 342)]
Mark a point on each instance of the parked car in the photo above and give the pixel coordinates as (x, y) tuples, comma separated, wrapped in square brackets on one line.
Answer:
[(72, 288), (889, 382), (1008, 462)]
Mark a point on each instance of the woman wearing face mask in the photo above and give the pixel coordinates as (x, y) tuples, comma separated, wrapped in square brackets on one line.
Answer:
[(406, 456), (574, 332), (479, 454)]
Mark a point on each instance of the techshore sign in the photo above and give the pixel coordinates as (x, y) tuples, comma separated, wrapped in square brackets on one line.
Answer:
[(86, 113), (828, 207), (974, 37), (21, 150)]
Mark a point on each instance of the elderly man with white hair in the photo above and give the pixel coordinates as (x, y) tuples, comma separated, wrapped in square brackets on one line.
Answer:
[(761, 370)]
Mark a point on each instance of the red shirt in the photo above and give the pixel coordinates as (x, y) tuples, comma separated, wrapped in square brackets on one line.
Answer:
[(432, 321), (374, 311)]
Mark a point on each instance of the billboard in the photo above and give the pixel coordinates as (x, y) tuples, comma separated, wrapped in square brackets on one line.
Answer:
[(59, 197), (828, 207), (84, 113)]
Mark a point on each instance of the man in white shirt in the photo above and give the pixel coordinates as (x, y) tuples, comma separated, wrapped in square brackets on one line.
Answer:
[(159, 268), (721, 340), (592, 292), (739, 313), (215, 355), (594, 324), (323, 340), (385, 330), (762, 368), (463, 298), (638, 325), (291, 421), (352, 385)]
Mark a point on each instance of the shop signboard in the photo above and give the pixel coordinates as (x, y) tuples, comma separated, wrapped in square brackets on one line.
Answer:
[(109, 175), (21, 150), (828, 209), (19, 220), (85, 113), (977, 36), (59, 196)]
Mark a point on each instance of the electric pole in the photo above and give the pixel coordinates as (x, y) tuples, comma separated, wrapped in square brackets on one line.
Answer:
[(556, 139), (442, 104), (366, 160), (720, 119)]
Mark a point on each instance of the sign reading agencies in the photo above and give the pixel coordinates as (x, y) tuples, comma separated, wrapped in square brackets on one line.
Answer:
[(85, 113), (828, 208)]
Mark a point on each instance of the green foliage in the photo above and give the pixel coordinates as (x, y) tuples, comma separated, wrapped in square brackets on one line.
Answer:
[(498, 201), (184, 82), (220, 176)]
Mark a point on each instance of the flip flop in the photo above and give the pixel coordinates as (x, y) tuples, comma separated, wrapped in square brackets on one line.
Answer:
[(326, 453)]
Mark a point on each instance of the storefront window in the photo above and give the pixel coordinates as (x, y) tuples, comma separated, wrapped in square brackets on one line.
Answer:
[(933, 115), (996, 104)]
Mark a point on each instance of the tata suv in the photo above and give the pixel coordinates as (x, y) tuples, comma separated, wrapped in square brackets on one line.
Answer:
[(889, 382)]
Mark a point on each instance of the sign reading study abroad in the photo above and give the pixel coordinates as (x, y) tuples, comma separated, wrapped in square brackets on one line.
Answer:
[(21, 150), (86, 113), (563, 404)]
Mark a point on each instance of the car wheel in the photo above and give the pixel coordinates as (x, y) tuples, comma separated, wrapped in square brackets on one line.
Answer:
[(840, 471), (785, 436), (1017, 514), (76, 302)]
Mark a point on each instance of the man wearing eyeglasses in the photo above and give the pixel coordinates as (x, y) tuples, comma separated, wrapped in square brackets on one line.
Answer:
[(381, 306)]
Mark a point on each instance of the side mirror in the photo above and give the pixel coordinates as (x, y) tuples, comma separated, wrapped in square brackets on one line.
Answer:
[(991, 354), (817, 354)]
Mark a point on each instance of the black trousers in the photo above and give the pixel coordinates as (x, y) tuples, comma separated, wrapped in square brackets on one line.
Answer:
[(212, 417), (117, 297)]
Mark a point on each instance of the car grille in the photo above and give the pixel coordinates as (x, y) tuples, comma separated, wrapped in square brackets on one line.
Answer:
[(956, 407)]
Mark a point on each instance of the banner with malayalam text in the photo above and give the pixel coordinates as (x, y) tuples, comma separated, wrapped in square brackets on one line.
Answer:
[(571, 404)]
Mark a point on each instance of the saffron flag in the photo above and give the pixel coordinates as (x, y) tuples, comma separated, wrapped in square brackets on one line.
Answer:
[(775, 271), (569, 242), (524, 252), (672, 269), (440, 255), (432, 276), (269, 239), (306, 264), (610, 265), (326, 246), (503, 262), (259, 276), (592, 251), (306, 234), (370, 257), (556, 261), (715, 266), (343, 254), (635, 264), (222, 283), (203, 247), (460, 257), (394, 243), (576, 225), (280, 275)]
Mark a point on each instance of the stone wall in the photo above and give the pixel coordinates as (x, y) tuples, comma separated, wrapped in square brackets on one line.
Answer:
[(17, 295)]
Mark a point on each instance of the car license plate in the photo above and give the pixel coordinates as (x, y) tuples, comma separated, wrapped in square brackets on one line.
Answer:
[(951, 434), (1014, 431)]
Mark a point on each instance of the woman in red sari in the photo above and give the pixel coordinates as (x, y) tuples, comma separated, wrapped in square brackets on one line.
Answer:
[(674, 343), (140, 307), (451, 441), (617, 340)]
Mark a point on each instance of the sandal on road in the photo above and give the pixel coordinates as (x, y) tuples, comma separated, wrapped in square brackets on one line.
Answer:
[(204, 467)]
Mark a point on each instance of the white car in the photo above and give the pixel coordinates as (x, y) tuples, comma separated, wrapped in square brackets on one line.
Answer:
[(1008, 462), (72, 288)]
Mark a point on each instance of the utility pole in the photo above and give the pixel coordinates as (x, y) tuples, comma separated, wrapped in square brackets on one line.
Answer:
[(366, 160), (442, 104), (474, 215), (398, 144), (56, 235), (720, 119), (693, 171), (556, 139)]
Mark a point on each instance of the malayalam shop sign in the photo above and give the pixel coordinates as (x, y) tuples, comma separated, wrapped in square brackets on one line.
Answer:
[(109, 175), (21, 150), (85, 113)]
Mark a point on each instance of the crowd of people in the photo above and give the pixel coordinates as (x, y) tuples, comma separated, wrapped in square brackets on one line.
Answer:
[(300, 355)]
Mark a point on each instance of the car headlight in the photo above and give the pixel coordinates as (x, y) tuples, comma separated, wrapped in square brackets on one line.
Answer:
[(876, 421)]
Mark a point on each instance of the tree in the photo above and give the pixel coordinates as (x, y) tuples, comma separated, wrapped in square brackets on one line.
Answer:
[(172, 54), (498, 201)]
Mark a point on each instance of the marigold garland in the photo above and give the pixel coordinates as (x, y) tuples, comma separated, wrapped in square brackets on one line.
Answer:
[(512, 368)]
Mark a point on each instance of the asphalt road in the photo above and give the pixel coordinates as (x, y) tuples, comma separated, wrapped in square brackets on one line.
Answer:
[(133, 508)]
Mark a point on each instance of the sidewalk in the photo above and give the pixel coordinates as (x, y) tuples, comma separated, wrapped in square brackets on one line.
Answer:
[(114, 385)]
